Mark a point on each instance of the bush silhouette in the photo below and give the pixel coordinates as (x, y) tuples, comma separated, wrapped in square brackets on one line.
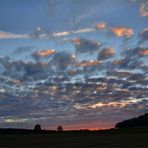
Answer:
[(59, 128), (134, 122), (37, 127)]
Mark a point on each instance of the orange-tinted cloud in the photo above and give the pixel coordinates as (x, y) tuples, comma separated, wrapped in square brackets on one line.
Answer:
[(44, 53), (76, 41), (101, 26), (89, 63), (114, 104), (144, 52), (144, 9), (122, 31)]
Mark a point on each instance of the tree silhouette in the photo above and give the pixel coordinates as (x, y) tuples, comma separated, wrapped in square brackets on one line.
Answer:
[(59, 128), (37, 127)]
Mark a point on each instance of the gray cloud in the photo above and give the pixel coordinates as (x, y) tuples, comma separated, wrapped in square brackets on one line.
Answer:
[(143, 36), (23, 49), (86, 46), (63, 87), (40, 33), (62, 60), (106, 53)]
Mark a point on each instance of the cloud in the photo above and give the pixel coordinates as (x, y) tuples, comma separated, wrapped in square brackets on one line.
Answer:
[(127, 64), (83, 30), (38, 70), (41, 33), (74, 89), (144, 52), (120, 74), (65, 33), (106, 53), (144, 68), (14, 120), (101, 26), (85, 45), (137, 77), (4, 62), (122, 31), (119, 104), (8, 35), (58, 34), (143, 35), (22, 71), (144, 9), (134, 53), (43, 53), (57, 97), (74, 72), (132, 58), (62, 60), (23, 49), (88, 63)]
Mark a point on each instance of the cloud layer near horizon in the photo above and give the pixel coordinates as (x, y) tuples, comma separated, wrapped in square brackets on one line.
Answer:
[(59, 86)]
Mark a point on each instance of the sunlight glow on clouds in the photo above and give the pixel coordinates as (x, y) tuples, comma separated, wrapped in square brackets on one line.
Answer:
[(101, 26), (144, 52), (122, 31), (115, 104), (88, 63), (72, 69), (44, 53), (14, 120)]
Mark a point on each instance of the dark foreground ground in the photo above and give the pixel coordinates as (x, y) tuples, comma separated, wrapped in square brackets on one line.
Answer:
[(121, 138)]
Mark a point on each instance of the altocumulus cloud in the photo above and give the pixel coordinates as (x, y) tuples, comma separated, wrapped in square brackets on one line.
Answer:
[(143, 35), (144, 9), (8, 35), (86, 46), (58, 85), (122, 31), (106, 53)]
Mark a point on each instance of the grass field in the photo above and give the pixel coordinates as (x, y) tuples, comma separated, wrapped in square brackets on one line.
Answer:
[(123, 138)]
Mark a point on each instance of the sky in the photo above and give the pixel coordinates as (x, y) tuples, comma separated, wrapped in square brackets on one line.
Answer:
[(82, 64)]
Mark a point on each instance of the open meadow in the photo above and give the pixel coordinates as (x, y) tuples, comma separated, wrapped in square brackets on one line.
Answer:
[(118, 138)]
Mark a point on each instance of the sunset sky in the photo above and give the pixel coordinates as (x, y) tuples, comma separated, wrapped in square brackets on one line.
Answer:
[(76, 63)]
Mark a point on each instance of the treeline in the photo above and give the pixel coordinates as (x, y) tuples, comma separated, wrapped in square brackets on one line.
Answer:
[(134, 122)]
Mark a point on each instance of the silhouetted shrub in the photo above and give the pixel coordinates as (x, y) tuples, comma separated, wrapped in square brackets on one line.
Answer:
[(37, 127), (59, 128), (134, 122)]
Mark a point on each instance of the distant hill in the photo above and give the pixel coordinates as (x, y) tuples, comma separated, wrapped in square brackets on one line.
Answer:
[(134, 122)]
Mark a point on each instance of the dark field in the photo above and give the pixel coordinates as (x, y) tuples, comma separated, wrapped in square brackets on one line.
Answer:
[(127, 138)]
